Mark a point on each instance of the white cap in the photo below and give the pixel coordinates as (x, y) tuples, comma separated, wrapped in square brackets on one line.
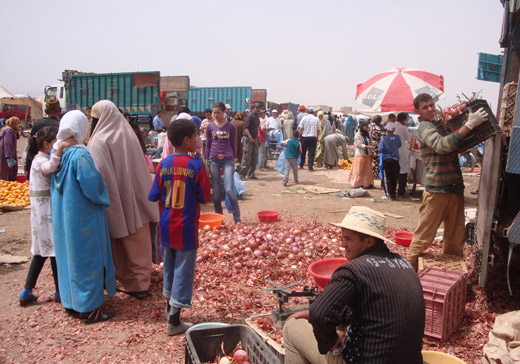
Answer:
[(228, 106), (274, 111)]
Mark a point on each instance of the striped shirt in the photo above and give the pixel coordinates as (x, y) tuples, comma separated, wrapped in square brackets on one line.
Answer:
[(440, 158), (180, 185), (310, 125), (385, 297)]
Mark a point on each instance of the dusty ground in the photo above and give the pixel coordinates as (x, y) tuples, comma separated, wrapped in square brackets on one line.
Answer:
[(37, 334)]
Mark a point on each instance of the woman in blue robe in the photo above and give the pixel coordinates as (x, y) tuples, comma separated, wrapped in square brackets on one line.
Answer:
[(81, 239), (350, 129)]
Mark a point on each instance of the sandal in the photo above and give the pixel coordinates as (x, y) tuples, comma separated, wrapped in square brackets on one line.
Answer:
[(96, 316)]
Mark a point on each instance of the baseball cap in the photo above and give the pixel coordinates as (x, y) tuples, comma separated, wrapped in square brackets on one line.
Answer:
[(301, 108), (228, 106), (311, 109), (274, 111), (390, 126)]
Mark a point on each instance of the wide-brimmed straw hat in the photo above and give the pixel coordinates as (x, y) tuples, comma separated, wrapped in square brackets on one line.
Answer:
[(364, 220)]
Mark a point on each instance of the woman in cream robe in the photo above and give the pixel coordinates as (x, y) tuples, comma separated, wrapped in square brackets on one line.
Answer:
[(118, 156)]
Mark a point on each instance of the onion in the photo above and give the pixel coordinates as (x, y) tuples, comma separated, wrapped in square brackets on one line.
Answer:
[(240, 356), (247, 250), (225, 248), (252, 244)]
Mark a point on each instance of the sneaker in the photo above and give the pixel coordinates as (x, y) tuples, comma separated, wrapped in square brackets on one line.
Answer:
[(27, 297), (385, 198), (173, 330), (474, 192), (285, 183)]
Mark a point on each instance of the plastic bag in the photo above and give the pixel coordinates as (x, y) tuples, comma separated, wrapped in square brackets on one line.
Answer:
[(280, 163), (239, 188)]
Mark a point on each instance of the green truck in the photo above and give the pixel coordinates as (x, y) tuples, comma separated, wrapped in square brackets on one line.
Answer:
[(137, 93)]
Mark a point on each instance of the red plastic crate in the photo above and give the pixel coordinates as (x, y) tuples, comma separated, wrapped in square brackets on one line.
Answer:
[(444, 301)]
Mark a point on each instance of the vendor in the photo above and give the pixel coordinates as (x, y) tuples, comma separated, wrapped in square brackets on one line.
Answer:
[(377, 296)]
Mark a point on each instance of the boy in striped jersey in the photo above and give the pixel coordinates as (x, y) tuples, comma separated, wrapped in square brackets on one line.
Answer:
[(443, 197), (181, 184)]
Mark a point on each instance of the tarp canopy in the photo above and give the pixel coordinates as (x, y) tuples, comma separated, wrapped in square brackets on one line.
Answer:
[(8, 98)]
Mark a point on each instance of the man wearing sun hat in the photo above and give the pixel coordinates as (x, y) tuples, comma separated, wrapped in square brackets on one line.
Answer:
[(377, 296)]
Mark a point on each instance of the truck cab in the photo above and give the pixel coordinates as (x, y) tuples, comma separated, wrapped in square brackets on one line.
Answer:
[(57, 91)]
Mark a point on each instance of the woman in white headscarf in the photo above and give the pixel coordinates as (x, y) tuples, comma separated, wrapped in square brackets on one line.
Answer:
[(118, 156), (81, 240)]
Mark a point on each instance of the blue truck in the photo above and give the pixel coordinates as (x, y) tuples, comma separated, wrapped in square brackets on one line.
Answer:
[(137, 93), (202, 98)]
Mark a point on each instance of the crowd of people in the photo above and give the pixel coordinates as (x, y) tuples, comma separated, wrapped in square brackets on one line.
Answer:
[(94, 204)]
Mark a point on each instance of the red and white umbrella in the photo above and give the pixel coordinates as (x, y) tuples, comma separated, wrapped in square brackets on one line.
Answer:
[(395, 89)]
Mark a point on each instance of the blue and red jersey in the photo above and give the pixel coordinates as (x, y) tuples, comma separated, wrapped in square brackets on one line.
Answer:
[(181, 184)]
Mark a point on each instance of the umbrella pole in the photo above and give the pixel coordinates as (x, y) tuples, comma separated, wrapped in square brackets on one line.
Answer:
[(26, 111)]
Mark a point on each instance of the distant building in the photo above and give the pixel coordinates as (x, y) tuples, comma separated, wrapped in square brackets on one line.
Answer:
[(323, 108), (346, 110)]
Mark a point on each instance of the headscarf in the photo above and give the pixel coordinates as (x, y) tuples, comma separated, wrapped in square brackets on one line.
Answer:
[(118, 156), (74, 123), (290, 115), (11, 123), (321, 115), (362, 130)]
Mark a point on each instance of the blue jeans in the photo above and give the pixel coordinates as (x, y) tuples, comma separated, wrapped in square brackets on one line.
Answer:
[(291, 163), (178, 275), (228, 166), (262, 155)]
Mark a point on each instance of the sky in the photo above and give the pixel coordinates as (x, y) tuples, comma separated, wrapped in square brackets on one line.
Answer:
[(306, 52)]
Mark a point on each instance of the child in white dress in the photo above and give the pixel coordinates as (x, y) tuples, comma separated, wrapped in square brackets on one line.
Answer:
[(40, 167)]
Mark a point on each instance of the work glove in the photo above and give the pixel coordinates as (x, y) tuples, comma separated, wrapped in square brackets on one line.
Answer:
[(11, 162), (476, 118)]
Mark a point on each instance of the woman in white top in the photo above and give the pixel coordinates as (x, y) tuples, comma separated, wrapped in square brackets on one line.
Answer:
[(361, 172)]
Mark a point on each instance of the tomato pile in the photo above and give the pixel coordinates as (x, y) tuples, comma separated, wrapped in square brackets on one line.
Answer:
[(14, 193)]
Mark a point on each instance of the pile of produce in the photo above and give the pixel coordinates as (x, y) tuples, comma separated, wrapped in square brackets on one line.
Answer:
[(14, 193), (345, 164), (234, 262), (453, 111)]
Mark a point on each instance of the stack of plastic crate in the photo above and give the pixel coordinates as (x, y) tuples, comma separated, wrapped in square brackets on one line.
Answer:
[(444, 300), (508, 106)]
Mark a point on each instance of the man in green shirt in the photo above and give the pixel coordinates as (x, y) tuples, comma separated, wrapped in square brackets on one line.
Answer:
[(443, 198)]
